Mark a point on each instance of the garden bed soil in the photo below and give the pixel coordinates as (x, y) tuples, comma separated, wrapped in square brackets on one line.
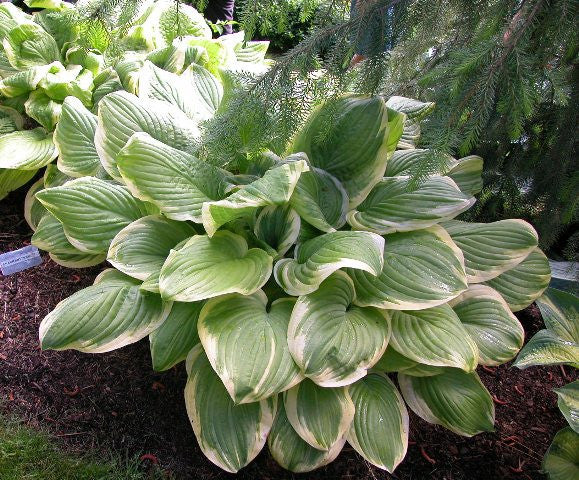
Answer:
[(116, 401)]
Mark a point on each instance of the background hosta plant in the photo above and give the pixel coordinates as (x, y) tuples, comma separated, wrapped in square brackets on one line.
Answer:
[(295, 284)]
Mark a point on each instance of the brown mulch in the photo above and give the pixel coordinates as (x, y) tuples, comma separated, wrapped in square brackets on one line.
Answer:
[(116, 401)]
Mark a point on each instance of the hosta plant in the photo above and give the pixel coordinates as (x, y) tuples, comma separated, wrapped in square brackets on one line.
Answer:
[(299, 287), (558, 344)]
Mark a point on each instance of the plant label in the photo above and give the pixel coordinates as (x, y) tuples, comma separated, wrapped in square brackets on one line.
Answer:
[(18, 260)]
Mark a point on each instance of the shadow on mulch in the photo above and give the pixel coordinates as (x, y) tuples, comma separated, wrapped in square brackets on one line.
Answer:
[(115, 400)]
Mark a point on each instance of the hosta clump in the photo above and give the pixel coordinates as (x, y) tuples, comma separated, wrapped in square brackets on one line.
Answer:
[(295, 287)]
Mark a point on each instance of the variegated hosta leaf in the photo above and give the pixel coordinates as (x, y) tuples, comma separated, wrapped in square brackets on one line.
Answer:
[(11, 180), (53, 177), (409, 259), (320, 416), (316, 259), (252, 52), (77, 260), (29, 45), (294, 454), (121, 114), (92, 211), (321, 200), (546, 348), (246, 345), (492, 248), (176, 182), (414, 109), (523, 284), (434, 336), (208, 267), (33, 209), (23, 82), (26, 149), (348, 138), (561, 461), (140, 249), (405, 162), (392, 361), (490, 323), (467, 173), (333, 342), (568, 403), (393, 205), (10, 120), (410, 135), (274, 188), (49, 236), (279, 227), (379, 431), (110, 314), (560, 312), (43, 109), (177, 335), (229, 435), (454, 399), (74, 139)]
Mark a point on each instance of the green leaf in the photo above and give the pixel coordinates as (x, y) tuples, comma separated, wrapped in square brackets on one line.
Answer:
[(546, 348), (409, 259), (252, 52), (10, 120), (43, 109), (11, 180), (246, 345), (332, 341), (561, 462), (455, 399), (208, 267), (467, 173), (26, 149), (568, 403), (29, 45), (74, 139), (294, 454), (434, 336), (414, 109), (560, 311), (108, 315), (490, 323), (140, 249), (379, 431), (176, 182), (492, 248), (410, 135), (405, 162), (522, 285), (320, 416), (348, 138), (121, 114), (49, 236), (274, 188), (77, 260), (229, 435), (92, 211), (177, 335), (23, 82), (393, 205), (106, 82), (53, 177), (33, 209), (278, 227)]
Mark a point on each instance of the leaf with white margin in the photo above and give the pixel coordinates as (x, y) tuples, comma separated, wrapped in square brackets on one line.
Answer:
[(405, 162), (321, 200), (77, 260), (434, 336), (177, 335), (492, 248), (522, 285), (92, 211), (122, 114), (140, 249), (246, 345), (110, 314), (11, 180), (26, 149), (568, 402), (546, 348), (561, 462), (560, 312), (490, 323), (414, 109), (53, 177), (391, 361), (320, 416), (252, 52), (316, 259), (278, 227), (291, 452), (409, 259), (333, 342), (29, 45), (208, 267), (207, 87), (274, 188), (10, 120), (229, 435), (23, 82), (176, 182), (467, 173), (393, 206), (410, 135), (43, 109), (74, 139), (33, 209), (49, 236), (348, 138), (454, 399), (379, 431)]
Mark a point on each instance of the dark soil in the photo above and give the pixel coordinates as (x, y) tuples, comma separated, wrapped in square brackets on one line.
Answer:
[(115, 400)]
